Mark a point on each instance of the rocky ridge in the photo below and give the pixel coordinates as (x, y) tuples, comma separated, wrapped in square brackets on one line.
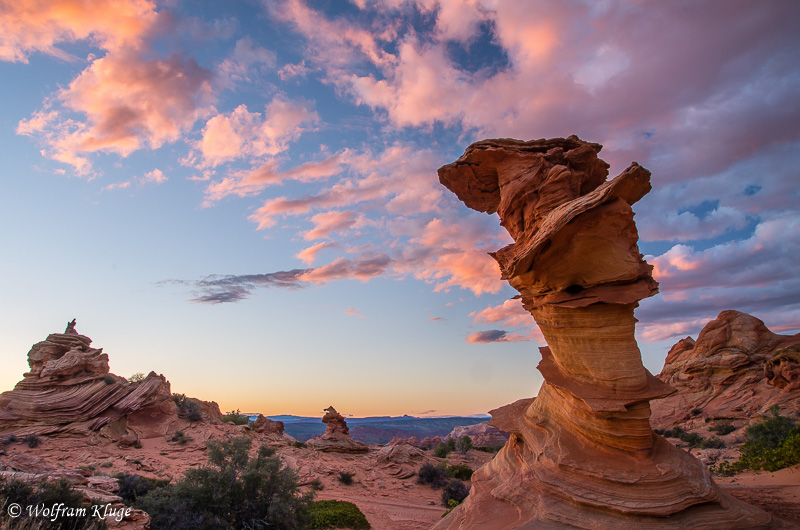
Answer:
[(735, 370)]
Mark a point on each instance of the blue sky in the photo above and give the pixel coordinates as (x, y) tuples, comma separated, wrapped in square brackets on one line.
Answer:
[(243, 196)]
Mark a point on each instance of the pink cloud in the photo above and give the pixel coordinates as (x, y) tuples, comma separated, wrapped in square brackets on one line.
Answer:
[(309, 255), (494, 335), (246, 57), (509, 313), (39, 25), (155, 176), (251, 181), (364, 267), (352, 311), (327, 222), (243, 134)]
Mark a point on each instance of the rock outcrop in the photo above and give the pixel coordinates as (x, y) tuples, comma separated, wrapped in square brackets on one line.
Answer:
[(69, 389), (481, 434), (582, 453), (736, 369), (336, 437), (265, 425)]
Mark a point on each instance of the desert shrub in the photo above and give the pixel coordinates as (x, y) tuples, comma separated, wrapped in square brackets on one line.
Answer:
[(659, 431), (722, 428), (316, 485), (489, 448), (464, 444), (444, 449), (132, 487), (711, 443), (107, 463), (691, 438), (300, 445), (772, 444), (451, 506), (436, 476), (235, 417), (337, 514), (46, 494), (454, 490), (109, 379), (137, 377), (346, 478), (179, 437), (32, 441), (232, 491), (187, 407), (675, 432), (696, 412), (137, 445), (460, 471)]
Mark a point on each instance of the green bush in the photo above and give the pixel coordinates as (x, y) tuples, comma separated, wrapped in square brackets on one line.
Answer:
[(235, 417), (464, 444), (454, 490), (691, 438), (722, 428), (460, 471), (297, 444), (346, 478), (316, 485), (46, 494), (137, 377), (772, 444), (337, 514), (444, 449), (489, 448), (179, 437), (233, 491)]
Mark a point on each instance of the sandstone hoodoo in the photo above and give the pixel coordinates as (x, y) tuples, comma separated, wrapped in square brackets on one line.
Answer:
[(736, 369), (336, 437), (69, 389), (581, 454)]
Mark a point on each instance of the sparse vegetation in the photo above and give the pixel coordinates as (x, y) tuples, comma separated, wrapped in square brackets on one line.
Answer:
[(235, 417), (297, 444), (772, 444), (131, 487), (722, 428), (444, 449), (137, 445), (489, 448), (32, 441), (435, 475), (451, 506), (179, 437), (337, 514), (346, 477), (696, 412), (316, 485), (693, 439), (48, 494), (232, 491), (109, 379), (464, 444), (454, 490), (460, 471), (136, 378), (107, 463), (187, 407)]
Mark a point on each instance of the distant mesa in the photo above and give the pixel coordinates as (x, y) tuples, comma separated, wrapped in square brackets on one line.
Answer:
[(581, 454), (336, 437), (736, 369), (69, 390), (481, 434)]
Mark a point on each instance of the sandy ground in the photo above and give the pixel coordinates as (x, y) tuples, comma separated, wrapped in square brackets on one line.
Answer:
[(777, 493)]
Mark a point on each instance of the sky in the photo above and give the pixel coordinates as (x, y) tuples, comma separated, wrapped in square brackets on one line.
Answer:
[(243, 196)]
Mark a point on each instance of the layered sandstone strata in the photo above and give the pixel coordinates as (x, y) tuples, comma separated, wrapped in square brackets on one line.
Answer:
[(582, 454), (69, 389), (336, 437), (736, 369)]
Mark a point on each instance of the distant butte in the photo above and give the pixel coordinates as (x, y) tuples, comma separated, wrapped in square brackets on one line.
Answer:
[(582, 454)]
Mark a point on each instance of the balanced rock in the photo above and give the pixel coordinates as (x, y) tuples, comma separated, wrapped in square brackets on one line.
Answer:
[(336, 437), (581, 454), (736, 369), (481, 434), (69, 389)]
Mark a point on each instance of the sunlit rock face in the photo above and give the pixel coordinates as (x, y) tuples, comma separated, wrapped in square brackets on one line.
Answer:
[(69, 389), (336, 437), (582, 453), (736, 369)]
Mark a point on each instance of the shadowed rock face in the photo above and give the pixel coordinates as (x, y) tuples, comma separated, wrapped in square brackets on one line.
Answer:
[(736, 369), (582, 454), (336, 437), (69, 389)]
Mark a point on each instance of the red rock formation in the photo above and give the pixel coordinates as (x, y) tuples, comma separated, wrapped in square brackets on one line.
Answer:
[(69, 390), (481, 434), (582, 454), (336, 437), (267, 426), (736, 369)]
